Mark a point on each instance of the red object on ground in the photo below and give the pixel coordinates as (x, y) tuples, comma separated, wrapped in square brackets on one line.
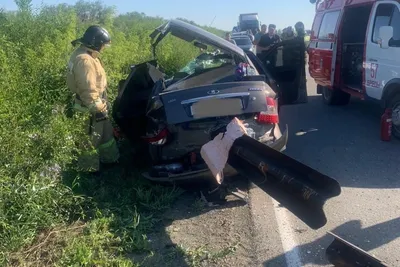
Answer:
[(386, 125)]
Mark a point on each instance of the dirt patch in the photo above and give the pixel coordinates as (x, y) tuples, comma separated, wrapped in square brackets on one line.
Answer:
[(193, 234)]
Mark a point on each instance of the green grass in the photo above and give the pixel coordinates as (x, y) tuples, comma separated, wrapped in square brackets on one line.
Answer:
[(50, 214), (111, 218), (114, 214)]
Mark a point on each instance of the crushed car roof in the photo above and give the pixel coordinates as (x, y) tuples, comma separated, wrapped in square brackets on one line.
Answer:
[(189, 33)]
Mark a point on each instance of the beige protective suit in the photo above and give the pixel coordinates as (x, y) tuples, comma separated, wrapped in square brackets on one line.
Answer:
[(86, 78)]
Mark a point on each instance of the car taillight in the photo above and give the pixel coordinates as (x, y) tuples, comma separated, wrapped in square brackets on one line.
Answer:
[(270, 115), (158, 139)]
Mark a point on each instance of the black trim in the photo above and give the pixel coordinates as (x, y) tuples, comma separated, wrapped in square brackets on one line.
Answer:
[(262, 70)]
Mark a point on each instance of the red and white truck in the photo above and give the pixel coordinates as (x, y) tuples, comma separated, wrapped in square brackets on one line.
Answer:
[(354, 50)]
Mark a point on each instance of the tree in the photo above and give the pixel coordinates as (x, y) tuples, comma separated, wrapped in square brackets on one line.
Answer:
[(24, 5)]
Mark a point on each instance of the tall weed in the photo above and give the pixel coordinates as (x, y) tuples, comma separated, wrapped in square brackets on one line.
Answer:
[(38, 141)]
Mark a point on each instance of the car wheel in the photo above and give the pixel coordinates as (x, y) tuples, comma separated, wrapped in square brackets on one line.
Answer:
[(335, 97), (394, 104)]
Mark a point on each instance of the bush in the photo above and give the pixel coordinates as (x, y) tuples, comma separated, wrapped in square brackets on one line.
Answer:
[(38, 141)]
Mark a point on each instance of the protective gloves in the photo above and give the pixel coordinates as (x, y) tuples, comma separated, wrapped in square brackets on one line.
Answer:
[(101, 115)]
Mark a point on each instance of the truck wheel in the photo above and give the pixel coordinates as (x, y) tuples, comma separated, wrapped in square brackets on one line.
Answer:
[(335, 97), (394, 104)]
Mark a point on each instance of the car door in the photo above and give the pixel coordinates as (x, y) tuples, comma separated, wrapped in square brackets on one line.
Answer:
[(130, 106), (286, 75), (382, 63), (263, 71), (322, 49), (313, 52)]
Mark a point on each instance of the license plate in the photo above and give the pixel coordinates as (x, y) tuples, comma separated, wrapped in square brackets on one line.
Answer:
[(216, 107)]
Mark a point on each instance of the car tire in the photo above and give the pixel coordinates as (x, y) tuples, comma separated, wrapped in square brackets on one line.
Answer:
[(394, 103), (335, 97)]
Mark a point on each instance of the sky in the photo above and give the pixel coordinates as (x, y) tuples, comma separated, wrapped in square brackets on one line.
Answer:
[(222, 14)]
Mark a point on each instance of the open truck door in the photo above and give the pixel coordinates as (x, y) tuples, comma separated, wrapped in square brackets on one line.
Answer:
[(286, 73), (322, 50)]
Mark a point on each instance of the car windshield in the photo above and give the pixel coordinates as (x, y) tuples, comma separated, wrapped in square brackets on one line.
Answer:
[(242, 41), (207, 61)]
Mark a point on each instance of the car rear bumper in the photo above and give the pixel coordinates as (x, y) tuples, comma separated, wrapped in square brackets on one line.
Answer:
[(279, 144)]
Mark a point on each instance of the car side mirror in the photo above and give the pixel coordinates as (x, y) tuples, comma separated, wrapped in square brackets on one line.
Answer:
[(385, 34)]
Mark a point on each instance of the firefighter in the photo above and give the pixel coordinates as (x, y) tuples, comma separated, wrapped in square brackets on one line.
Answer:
[(299, 26), (86, 78), (288, 33)]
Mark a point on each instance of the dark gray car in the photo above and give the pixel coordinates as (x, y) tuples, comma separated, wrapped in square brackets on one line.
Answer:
[(175, 116), (244, 42)]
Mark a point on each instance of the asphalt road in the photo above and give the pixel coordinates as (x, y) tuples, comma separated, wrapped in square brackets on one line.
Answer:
[(344, 143)]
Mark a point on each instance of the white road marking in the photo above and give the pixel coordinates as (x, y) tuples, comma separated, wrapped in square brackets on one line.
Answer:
[(289, 245)]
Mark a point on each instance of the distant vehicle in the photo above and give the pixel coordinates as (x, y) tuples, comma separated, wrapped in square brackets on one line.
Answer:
[(249, 21), (244, 42)]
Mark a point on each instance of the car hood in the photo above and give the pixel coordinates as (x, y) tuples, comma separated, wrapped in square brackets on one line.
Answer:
[(190, 33)]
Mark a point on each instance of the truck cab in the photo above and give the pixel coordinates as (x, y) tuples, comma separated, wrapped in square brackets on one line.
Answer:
[(354, 51), (249, 21)]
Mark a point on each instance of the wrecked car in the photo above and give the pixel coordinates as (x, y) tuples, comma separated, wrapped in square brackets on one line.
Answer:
[(176, 115)]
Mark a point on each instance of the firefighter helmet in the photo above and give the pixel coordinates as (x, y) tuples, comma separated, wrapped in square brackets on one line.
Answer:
[(94, 38)]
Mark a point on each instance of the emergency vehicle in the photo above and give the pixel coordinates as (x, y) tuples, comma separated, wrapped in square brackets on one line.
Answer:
[(354, 51)]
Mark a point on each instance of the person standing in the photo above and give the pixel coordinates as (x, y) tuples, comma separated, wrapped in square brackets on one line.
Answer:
[(300, 30), (266, 41), (86, 78), (257, 38), (288, 33)]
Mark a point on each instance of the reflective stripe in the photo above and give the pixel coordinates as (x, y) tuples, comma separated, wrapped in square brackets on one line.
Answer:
[(92, 106), (80, 108), (109, 152), (107, 144)]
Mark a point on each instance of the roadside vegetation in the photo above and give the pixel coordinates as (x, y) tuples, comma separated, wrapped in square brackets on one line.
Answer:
[(51, 215)]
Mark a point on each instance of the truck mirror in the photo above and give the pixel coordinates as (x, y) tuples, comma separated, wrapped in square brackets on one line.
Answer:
[(385, 34)]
